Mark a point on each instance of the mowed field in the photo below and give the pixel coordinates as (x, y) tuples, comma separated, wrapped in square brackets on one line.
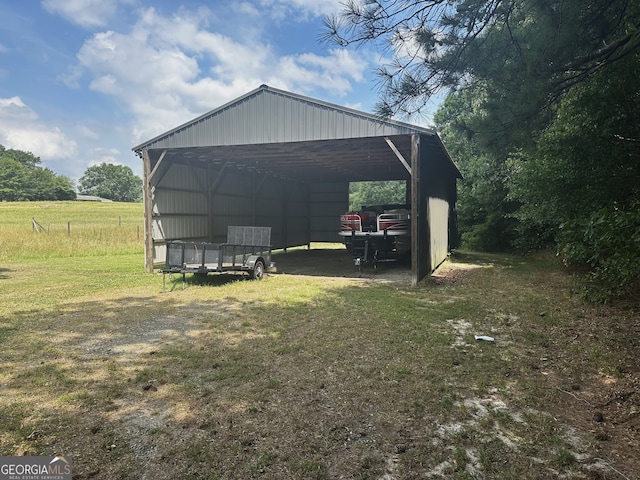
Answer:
[(313, 372)]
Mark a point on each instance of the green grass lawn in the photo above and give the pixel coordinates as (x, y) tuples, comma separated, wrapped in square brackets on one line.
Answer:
[(302, 376)]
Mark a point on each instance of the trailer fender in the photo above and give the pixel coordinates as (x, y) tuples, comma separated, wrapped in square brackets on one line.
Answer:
[(256, 266), (251, 261)]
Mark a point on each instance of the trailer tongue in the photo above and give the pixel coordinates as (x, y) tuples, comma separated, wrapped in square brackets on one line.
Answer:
[(374, 233)]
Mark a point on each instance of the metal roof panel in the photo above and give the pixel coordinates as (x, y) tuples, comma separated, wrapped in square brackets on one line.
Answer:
[(268, 115)]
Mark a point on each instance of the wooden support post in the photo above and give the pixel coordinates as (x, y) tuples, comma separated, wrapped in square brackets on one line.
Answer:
[(417, 213), (148, 209)]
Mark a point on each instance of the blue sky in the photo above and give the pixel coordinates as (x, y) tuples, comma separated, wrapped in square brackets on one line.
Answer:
[(83, 81)]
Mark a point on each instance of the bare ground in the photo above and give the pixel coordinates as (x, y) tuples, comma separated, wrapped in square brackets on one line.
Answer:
[(602, 408)]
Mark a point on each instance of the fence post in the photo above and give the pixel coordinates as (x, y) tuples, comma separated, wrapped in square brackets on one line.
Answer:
[(36, 226)]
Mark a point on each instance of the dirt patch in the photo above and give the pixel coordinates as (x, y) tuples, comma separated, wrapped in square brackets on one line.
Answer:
[(603, 405), (339, 263)]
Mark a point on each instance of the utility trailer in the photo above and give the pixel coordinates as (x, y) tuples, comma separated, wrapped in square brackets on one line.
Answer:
[(247, 250)]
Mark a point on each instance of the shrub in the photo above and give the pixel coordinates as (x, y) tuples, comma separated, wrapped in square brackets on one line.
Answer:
[(608, 243)]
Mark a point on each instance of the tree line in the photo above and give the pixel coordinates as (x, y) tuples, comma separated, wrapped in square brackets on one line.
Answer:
[(22, 178), (542, 116)]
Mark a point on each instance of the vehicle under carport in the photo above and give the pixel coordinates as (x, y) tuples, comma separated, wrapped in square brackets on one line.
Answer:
[(278, 159)]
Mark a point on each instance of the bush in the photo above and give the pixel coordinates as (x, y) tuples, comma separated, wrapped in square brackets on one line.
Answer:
[(495, 234), (607, 243)]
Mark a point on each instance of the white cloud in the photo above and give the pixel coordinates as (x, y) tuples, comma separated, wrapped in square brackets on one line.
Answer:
[(168, 69), (336, 70), (86, 13), (333, 73), (21, 129), (245, 8), (87, 132), (72, 77), (14, 109), (98, 156), (281, 9)]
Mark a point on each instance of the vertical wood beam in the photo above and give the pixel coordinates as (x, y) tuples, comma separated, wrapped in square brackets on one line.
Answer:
[(148, 210), (419, 221), (407, 192), (416, 218)]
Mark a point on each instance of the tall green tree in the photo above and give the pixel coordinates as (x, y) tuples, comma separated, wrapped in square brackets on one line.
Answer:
[(13, 180), (115, 182), (579, 182), (44, 184), (27, 159), (22, 179), (538, 48), (589, 154), (484, 213)]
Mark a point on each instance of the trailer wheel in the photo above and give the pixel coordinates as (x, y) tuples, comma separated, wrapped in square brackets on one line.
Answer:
[(258, 271)]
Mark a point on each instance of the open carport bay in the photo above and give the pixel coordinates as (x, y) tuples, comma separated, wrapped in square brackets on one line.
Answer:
[(332, 260)]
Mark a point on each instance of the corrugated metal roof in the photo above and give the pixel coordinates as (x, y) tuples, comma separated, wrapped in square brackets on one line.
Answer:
[(268, 115)]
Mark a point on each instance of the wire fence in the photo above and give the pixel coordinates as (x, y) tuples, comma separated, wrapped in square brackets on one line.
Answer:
[(85, 228), (59, 238)]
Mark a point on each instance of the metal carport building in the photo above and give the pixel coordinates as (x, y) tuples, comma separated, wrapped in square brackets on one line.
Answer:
[(275, 158)]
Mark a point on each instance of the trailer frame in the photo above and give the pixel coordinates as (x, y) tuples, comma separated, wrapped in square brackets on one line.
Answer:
[(247, 251)]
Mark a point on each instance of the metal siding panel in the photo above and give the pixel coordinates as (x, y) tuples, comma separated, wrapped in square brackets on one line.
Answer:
[(327, 187), (227, 206), (171, 228), (159, 254), (438, 230), (284, 114), (327, 202), (173, 202), (327, 197), (233, 185), (327, 224), (269, 208), (181, 177), (297, 208), (272, 189)]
